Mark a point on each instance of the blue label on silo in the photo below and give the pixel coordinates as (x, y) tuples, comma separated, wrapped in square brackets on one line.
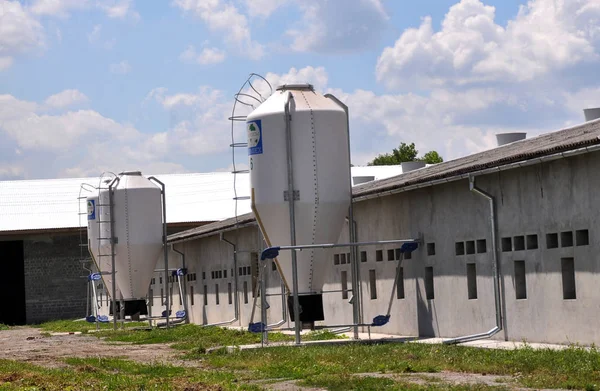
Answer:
[(91, 209), (254, 137)]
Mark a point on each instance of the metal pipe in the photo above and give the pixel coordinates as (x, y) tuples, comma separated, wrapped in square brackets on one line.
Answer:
[(519, 164), (114, 182), (495, 271), (354, 251), (236, 302), (333, 245), (184, 283), (166, 251), (290, 172), (283, 309)]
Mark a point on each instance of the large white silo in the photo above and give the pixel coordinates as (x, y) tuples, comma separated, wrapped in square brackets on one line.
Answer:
[(321, 182), (135, 213)]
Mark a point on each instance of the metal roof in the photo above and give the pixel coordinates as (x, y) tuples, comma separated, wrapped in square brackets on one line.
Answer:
[(202, 197)]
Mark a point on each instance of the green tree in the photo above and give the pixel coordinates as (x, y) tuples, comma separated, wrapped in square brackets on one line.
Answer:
[(405, 153)]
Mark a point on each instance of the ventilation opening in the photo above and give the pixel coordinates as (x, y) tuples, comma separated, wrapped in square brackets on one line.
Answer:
[(162, 296), (400, 286), (506, 244), (520, 282), (363, 256), (459, 248), (582, 237), (344, 276), (348, 258), (532, 242), (229, 293), (336, 259), (519, 242), (470, 247), (429, 293), (552, 240), (472, 280), (254, 272), (430, 248), (379, 255), (192, 295), (407, 255), (481, 246), (398, 254), (343, 259), (373, 284), (566, 239), (362, 179), (205, 295), (217, 294), (567, 266), (391, 255), (245, 292)]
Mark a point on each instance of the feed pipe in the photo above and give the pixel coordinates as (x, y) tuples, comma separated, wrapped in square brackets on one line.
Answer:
[(495, 271), (184, 296), (236, 303)]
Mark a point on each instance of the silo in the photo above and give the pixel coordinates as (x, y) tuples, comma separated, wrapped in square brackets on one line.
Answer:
[(320, 169), (134, 212)]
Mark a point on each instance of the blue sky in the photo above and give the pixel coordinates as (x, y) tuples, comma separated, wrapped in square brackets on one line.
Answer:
[(94, 85)]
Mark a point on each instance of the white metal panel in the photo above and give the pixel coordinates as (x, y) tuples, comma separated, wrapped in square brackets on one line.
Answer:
[(320, 154)]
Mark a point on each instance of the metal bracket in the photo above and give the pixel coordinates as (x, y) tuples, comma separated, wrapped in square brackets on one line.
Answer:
[(296, 195)]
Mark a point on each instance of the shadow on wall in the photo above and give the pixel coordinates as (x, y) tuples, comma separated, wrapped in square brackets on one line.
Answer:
[(424, 314)]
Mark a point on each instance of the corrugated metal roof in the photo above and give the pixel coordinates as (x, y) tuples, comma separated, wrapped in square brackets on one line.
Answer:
[(202, 197)]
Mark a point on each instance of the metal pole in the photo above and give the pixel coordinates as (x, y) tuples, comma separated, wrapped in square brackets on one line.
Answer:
[(112, 247), (290, 171), (183, 293), (166, 250), (354, 250)]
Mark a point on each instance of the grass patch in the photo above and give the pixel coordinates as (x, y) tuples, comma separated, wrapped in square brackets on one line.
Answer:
[(364, 383), (3, 327), (69, 326)]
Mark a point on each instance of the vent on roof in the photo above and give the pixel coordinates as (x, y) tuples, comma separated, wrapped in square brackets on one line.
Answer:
[(591, 114), (410, 166), (357, 180), (506, 138)]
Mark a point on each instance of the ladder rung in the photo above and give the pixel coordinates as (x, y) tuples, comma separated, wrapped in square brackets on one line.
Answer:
[(240, 172), (241, 198), (239, 145)]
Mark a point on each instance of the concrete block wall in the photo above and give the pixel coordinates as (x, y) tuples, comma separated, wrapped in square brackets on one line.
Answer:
[(54, 288)]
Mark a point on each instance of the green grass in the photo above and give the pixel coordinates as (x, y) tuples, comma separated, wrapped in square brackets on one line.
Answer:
[(81, 326), (3, 327)]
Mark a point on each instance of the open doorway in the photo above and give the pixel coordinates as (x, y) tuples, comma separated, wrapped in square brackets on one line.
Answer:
[(12, 283)]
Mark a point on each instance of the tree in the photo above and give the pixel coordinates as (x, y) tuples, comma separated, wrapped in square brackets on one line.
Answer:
[(405, 153)]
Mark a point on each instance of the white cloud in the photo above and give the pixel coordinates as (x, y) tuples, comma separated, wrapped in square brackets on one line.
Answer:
[(337, 25), (60, 8), (65, 99), (311, 75), (207, 56), (546, 36), (120, 68), (224, 18), (20, 33), (94, 35), (263, 8), (118, 9)]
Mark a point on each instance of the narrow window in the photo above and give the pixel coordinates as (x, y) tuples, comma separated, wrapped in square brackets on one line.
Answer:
[(249, 269), (336, 259), (520, 280), (470, 246), (205, 294), (391, 255), (481, 246), (567, 266), (506, 244), (342, 259), (224, 273), (192, 295), (566, 239), (532, 242), (160, 279), (245, 292), (273, 266), (363, 256), (217, 294), (379, 256), (162, 296), (254, 271), (430, 248), (241, 271), (429, 292), (552, 240), (348, 258), (459, 248), (373, 284), (397, 254), (344, 276), (582, 237), (180, 300), (212, 275), (171, 295), (519, 242), (204, 275), (407, 255), (400, 286), (229, 293), (472, 280)]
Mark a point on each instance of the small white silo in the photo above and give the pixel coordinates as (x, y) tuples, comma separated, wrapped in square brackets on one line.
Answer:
[(321, 182)]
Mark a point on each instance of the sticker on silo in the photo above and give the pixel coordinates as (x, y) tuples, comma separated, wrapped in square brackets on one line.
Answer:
[(91, 209), (254, 137)]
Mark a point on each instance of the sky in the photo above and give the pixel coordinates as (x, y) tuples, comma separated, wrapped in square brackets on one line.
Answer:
[(88, 86)]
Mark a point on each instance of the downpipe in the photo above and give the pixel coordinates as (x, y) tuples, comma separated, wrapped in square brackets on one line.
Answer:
[(184, 298), (495, 270), (283, 311)]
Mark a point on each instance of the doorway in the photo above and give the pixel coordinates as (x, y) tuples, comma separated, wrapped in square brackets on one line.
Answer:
[(12, 283)]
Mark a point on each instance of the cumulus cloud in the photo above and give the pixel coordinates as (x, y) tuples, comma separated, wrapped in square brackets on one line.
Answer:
[(316, 76), (119, 9), (66, 98), (207, 56), (59, 8), (224, 18), (337, 25), (20, 33), (120, 68), (263, 8), (546, 36)]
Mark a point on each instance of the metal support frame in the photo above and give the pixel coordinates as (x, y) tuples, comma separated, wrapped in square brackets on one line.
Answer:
[(165, 248), (182, 291), (495, 271)]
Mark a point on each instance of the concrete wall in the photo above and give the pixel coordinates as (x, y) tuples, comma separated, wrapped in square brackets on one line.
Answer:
[(555, 197)]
